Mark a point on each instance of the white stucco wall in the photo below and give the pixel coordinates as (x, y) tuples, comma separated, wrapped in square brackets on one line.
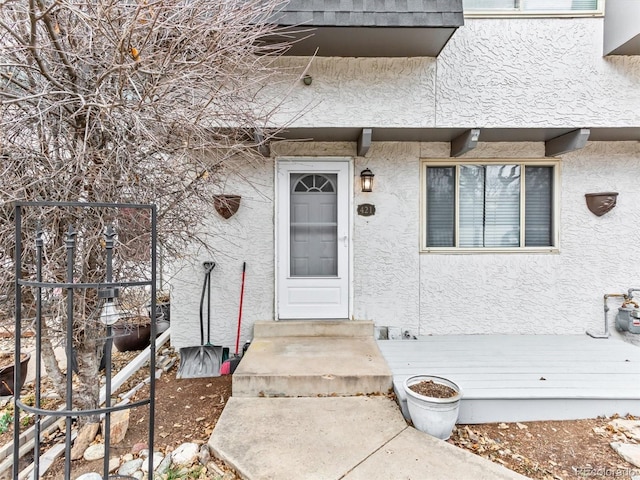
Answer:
[(348, 92), (529, 72), (394, 284), (493, 73), (535, 73), (545, 293), (245, 237), (386, 254)]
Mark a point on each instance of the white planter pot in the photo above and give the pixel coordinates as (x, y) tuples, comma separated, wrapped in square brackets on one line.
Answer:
[(435, 416)]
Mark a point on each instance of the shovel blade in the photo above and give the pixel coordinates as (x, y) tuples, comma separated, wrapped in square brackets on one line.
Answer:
[(200, 362)]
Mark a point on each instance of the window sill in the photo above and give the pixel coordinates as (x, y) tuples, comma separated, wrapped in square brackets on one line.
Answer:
[(483, 251), (535, 14)]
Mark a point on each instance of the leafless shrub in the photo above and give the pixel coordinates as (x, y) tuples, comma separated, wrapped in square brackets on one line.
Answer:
[(129, 101)]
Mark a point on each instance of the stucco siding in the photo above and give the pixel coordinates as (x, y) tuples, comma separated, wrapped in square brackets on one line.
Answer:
[(507, 73), (386, 257), (514, 73), (352, 92), (546, 293), (394, 284), (534, 73), (246, 236)]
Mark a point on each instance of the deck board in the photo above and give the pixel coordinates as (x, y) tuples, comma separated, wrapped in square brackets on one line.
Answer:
[(525, 377)]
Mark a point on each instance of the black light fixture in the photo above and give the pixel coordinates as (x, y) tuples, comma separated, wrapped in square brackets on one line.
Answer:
[(366, 180)]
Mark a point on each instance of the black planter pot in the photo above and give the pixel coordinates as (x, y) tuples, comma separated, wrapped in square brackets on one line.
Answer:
[(127, 337), (6, 374)]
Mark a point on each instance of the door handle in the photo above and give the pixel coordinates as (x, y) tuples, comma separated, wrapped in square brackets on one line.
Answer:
[(345, 239)]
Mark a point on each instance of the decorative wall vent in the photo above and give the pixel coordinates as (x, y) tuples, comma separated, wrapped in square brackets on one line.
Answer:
[(226, 205), (601, 203)]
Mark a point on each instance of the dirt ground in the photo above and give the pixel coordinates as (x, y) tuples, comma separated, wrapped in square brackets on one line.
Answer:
[(187, 410)]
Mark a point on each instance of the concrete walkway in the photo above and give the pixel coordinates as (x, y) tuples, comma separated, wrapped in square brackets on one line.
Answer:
[(351, 438), (298, 413)]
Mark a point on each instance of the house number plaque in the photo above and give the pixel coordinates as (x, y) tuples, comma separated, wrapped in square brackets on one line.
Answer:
[(366, 209)]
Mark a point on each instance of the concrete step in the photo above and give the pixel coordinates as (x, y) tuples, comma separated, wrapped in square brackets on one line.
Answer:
[(313, 328), (311, 366)]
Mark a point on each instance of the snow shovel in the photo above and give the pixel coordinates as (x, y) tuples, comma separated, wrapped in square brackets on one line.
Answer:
[(204, 360), (230, 365)]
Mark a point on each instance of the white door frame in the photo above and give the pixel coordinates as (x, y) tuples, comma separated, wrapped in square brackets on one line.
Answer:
[(309, 164)]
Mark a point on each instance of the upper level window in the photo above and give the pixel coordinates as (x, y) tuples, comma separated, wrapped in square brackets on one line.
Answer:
[(489, 206), (529, 7)]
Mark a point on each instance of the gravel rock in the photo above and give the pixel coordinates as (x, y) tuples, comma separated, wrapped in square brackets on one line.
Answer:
[(90, 476), (185, 454), (204, 455), (94, 452), (631, 428), (128, 468), (164, 465), (157, 460), (138, 447), (85, 436), (119, 425), (114, 463), (630, 452)]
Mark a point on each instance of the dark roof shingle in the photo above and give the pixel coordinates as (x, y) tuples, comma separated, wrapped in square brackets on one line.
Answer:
[(372, 13)]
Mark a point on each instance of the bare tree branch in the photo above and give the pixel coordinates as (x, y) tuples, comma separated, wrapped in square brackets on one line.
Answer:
[(128, 101)]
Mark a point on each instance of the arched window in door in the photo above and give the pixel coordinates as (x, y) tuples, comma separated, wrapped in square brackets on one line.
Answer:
[(314, 183)]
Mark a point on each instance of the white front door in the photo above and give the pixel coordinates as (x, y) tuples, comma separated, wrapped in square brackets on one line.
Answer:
[(313, 239)]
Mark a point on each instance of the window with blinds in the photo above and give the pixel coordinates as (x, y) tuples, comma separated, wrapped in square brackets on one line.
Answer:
[(532, 6), (489, 206)]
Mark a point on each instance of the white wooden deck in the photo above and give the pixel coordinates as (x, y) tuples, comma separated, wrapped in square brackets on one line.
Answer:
[(508, 378)]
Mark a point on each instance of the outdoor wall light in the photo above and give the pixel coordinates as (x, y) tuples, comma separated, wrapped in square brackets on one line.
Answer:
[(366, 180), (109, 313), (307, 79)]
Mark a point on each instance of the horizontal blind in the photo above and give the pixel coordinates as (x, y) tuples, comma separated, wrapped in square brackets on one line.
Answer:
[(490, 4), (489, 206), (531, 5), (538, 206), (441, 195), (472, 184), (502, 206), (559, 5)]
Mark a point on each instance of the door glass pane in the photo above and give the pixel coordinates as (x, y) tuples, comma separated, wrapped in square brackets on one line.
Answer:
[(313, 225)]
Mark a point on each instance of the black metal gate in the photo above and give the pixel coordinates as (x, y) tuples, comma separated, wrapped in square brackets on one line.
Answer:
[(106, 293)]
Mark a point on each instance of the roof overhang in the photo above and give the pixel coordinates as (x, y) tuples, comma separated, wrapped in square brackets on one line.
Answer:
[(368, 28), (622, 28), (369, 41), (351, 134), (557, 140)]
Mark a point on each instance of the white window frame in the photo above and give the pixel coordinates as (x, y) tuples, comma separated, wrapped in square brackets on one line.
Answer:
[(555, 219), (521, 13)]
